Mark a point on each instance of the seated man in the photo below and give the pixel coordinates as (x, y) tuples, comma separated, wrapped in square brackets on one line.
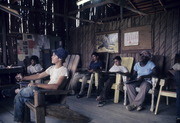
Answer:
[(175, 71), (58, 73), (142, 74), (106, 80), (177, 80), (95, 65)]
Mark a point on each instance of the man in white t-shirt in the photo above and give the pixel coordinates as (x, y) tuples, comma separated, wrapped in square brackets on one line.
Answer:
[(57, 72), (106, 81)]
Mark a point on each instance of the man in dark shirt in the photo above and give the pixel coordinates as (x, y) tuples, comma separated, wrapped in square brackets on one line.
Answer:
[(95, 65)]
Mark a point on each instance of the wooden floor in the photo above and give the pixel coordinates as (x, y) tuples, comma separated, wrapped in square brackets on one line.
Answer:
[(110, 113)]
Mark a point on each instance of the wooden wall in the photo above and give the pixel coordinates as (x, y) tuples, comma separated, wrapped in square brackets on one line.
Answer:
[(165, 36)]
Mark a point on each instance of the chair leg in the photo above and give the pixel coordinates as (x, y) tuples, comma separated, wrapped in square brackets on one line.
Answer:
[(39, 115), (89, 90), (157, 104), (116, 96), (152, 102), (167, 101), (125, 96)]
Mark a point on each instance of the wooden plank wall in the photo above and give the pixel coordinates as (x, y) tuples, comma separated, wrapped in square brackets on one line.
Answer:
[(165, 36)]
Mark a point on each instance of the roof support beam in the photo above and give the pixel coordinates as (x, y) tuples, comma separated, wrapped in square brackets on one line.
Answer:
[(116, 2), (160, 1), (132, 4), (56, 14), (89, 6)]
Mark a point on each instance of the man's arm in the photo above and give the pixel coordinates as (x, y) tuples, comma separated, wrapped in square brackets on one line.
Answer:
[(50, 86), (35, 76)]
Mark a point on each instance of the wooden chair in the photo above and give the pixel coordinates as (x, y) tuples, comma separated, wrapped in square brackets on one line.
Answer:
[(159, 62), (57, 109), (164, 93), (127, 62), (91, 81)]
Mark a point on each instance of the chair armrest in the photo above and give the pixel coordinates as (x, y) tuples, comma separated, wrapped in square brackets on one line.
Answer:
[(39, 96), (53, 92)]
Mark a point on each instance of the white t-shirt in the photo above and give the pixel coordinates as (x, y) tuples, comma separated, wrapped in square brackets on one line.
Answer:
[(176, 66), (116, 68), (55, 73), (34, 69)]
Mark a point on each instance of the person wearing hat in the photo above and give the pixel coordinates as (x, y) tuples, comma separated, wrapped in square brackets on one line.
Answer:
[(143, 72), (57, 72)]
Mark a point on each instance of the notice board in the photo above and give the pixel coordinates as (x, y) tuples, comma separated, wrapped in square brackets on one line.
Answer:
[(136, 38)]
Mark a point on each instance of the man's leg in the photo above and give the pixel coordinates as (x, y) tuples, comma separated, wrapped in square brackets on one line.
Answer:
[(19, 103), (131, 92), (144, 88), (107, 87), (75, 80), (83, 84)]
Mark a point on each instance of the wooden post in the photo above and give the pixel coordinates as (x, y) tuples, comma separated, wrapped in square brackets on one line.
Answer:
[(4, 38), (107, 61)]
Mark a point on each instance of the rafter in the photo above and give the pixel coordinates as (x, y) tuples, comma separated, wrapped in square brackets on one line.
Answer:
[(132, 4), (116, 2), (56, 14), (161, 2)]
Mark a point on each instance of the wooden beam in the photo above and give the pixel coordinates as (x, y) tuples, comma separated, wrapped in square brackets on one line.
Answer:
[(89, 6), (132, 4), (10, 11), (162, 5), (56, 14), (116, 2)]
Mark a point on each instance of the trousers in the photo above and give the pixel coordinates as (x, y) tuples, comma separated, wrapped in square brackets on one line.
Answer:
[(134, 97), (25, 94)]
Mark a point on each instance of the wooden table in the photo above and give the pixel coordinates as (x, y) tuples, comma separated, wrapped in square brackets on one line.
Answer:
[(7, 74)]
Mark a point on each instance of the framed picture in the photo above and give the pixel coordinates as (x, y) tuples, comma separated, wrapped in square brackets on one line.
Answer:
[(107, 42)]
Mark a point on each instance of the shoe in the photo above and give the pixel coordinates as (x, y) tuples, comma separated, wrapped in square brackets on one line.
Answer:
[(130, 107), (79, 96), (178, 120), (139, 108), (101, 103), (99, 98)]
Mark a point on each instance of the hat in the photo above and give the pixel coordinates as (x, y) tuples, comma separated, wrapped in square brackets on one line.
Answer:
[(146, 53), (61, 53)]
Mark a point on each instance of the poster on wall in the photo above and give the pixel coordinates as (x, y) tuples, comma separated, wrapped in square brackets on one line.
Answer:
[(131, 38), (107, 42)]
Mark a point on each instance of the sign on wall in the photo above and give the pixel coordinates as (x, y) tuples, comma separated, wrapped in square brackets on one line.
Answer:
[(136, 38)]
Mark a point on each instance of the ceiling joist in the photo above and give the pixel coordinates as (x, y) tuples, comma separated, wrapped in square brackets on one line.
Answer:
[(115, 2)]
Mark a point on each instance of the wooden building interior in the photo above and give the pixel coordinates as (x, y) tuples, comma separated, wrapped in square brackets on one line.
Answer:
[(36, 27)]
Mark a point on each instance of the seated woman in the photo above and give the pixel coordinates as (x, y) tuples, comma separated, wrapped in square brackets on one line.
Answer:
[(143, 72), (106, 80), (57, 72), (35, 67)]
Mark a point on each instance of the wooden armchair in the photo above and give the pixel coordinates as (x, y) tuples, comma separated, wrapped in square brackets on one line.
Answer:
[(165, 93), (159, 62), (91, 81), (128, 63), (58, 109)]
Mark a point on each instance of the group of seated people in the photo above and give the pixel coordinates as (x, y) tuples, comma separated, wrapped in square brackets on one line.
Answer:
[(142, 73)]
